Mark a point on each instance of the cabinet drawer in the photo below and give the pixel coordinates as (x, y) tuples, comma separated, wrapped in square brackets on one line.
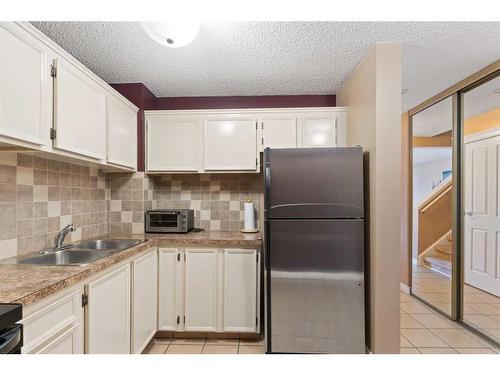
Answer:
[(50, 320)]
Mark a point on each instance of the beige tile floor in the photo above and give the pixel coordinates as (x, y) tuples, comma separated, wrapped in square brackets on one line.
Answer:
[(481, 309), (204, 346)]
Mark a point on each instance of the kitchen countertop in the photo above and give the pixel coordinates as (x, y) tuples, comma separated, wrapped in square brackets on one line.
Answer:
[(28, 284)]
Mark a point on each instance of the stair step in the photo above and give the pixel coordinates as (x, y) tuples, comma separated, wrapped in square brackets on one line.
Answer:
[(445, 249), (440, 260)]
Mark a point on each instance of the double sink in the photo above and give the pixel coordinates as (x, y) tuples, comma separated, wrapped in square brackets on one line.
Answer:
[(80, 254)]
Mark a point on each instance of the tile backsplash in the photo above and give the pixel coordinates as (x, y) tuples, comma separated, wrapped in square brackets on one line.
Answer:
[(39, 196)]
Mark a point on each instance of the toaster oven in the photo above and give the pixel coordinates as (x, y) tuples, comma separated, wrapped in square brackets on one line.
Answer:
[(169, 221)]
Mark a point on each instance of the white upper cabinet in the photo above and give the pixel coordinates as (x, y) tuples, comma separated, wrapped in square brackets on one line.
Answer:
[(122, 133), (25, 87), (279, 131), (80, 112), (323, 129), (173, 144), (230, 144)]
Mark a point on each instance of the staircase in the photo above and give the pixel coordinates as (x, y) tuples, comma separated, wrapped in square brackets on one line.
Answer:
[(439, 258)]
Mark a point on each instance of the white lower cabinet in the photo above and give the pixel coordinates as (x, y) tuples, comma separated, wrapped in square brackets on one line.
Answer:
[(144, 300), (108, 313), (208, 290), (240, 290), (55, 325)]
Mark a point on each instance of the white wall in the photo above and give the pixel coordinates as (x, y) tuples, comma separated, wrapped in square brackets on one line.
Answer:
[(425, 174)]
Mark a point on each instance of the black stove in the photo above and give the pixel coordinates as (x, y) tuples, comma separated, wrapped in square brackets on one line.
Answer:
[(11, 332)]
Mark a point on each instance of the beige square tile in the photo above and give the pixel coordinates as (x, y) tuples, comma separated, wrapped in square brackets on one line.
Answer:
[(8, 248), (487, 298), (257, 342), (177, 341), (494, 332), (162, 341), (422, 338), (24, 176), (457, 338), (220, 349), (433, 320), (155, 349), (414, 307), (404, 343), (408, 322), (222, 342), (437, 351), (251, 349), (184, 349), (475, 351), (485, 308), (409, 351)]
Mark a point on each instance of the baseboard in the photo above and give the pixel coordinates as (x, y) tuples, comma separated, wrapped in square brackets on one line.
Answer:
[(404, 288)]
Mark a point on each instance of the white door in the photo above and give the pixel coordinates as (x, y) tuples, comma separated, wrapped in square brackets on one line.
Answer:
[(171, 288), (108, 313), (200, 290), (240, 290), (25, 84), (230, 144), (279, 132), (80, 112), (319, 130), (144, 300), (482, 215), (173, 144), (122, 133)]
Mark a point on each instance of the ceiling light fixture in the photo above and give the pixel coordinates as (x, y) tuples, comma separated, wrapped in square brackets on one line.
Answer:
[(172, 34)]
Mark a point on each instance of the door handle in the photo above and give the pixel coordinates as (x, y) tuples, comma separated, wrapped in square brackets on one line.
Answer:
[(469, 213)]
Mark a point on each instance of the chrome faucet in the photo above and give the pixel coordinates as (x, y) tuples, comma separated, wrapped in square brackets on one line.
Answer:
[(59, 240)]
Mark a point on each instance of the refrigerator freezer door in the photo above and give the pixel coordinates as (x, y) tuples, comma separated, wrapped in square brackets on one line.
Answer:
[(316, 286), (314, 183)]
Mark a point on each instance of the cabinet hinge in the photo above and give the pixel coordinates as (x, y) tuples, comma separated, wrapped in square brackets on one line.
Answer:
[(53, 71), (178, 257), (85, 300), (262, 125), (184, 320), (257, 258), (184, 257), (178, 319), (53, 133), (256, 124), (256, 320), (255, 162)]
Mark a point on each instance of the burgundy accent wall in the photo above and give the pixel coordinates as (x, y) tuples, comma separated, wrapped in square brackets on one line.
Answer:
[(143, 98)]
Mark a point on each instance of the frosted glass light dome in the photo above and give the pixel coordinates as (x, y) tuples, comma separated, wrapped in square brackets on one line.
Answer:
[(172, 34)]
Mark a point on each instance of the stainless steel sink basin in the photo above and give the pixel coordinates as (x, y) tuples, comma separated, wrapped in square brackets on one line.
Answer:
[(82, 253), (111, 245), (66, 257)]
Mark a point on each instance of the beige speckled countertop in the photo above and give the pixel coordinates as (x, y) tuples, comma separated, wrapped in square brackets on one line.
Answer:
[(28, 284)]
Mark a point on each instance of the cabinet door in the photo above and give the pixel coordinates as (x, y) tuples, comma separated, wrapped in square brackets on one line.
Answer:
[(170, 290), (80, 113), (173, 144), (319, 131), (122, 133), (108, 313), (240, 290), (25, 84), (230, 144), (144, 300), (201, 290), (65, 343), (279, 132)]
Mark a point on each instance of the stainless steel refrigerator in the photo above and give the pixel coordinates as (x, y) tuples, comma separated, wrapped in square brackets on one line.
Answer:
[(314, 250)]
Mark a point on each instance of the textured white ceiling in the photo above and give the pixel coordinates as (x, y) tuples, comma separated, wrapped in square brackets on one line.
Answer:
[(278, 58)]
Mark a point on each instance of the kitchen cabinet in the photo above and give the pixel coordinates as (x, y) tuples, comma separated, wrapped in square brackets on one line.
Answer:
[(323, 129), (55, 325), (144, 300), (25, 87), (279, 131), (173, 144), (121, 133), (240, 290), (170, 289), (230, 144), (200, 290), (108, 313), (209, 290), (80, 113)]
